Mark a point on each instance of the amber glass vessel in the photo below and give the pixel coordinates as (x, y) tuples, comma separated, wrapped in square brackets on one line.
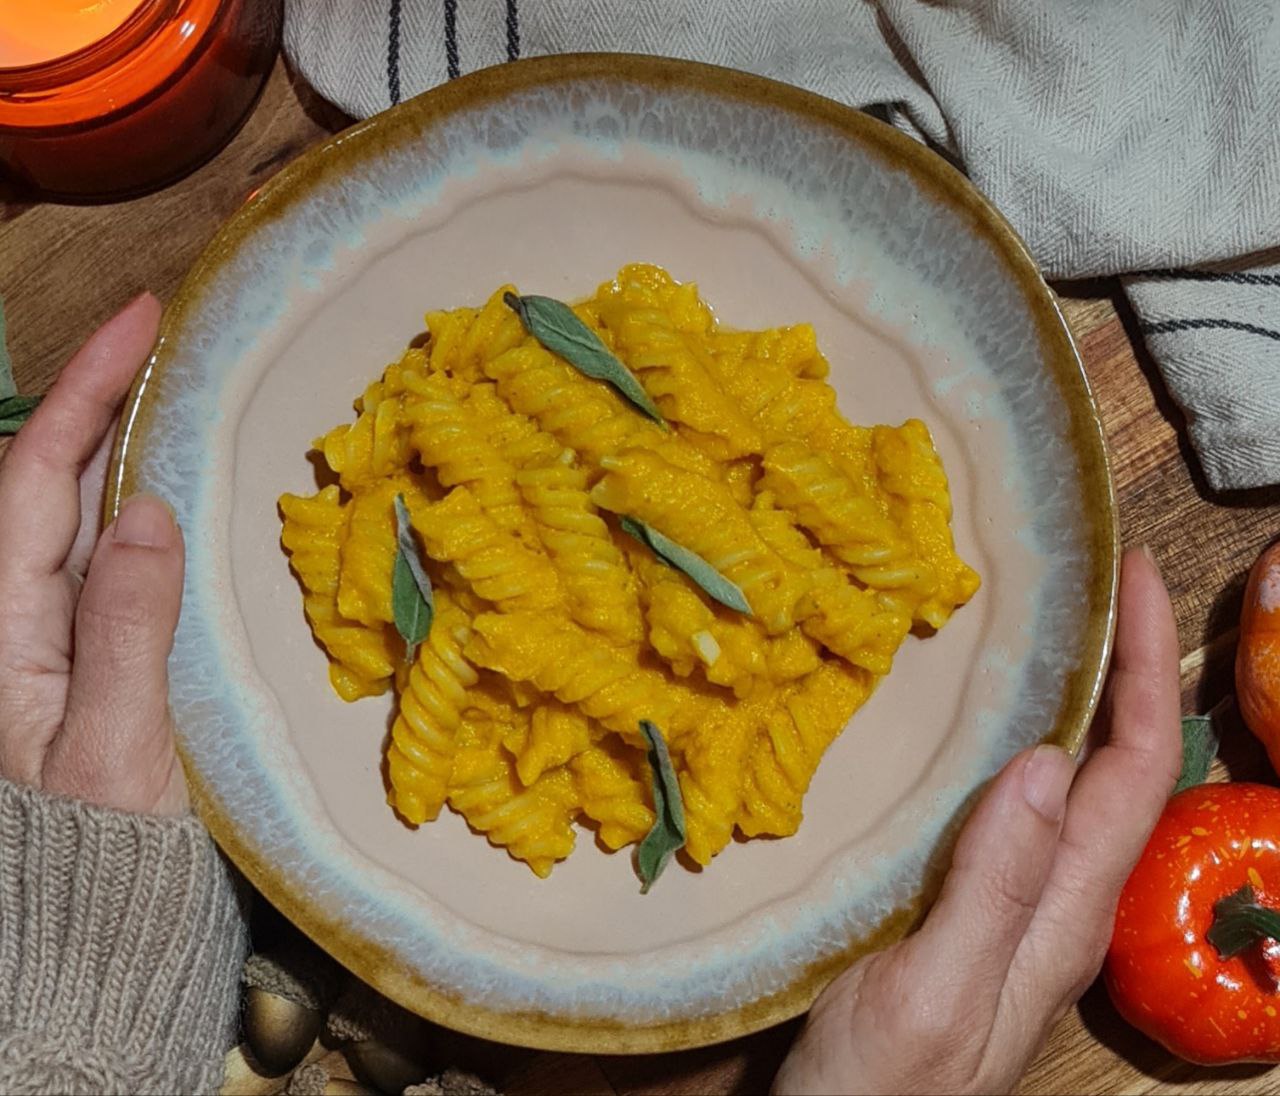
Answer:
[(149, 101)]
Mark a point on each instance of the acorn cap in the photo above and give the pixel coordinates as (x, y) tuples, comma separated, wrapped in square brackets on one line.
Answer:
[(296, 970), (361, 1013), (307, 1081), (314, 1080), (452, 1082)]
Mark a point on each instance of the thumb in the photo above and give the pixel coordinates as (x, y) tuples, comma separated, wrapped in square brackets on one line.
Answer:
[(116, 745), (937, 993), (998, 873)]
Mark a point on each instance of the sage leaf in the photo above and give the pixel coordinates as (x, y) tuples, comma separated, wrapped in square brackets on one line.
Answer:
[(555, 326), (14, 411), (668, 834), (411, 598), (707, 577), (1200, 737), (8, 387)]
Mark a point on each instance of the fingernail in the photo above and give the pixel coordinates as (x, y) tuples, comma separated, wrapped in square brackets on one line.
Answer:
[(145, 522), (1046, 779)]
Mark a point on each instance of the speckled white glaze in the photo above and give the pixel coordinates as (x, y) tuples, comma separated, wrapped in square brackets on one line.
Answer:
[(779, 219)]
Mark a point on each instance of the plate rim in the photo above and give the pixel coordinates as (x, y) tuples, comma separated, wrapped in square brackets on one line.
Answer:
[(929, 171)]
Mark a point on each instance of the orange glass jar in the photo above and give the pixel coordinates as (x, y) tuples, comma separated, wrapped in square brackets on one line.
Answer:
[(153, 98)]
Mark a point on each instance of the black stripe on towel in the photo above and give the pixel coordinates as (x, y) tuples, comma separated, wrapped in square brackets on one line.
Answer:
[(1164, 327), (393, 53), (1238, 277), (451, 37), (513, 30)]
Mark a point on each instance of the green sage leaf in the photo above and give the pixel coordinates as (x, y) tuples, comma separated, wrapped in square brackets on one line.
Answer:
[(668, 834), (8, 387), (1200, 737), (14, 411), (559, 330), (411, 599), (692, 564)]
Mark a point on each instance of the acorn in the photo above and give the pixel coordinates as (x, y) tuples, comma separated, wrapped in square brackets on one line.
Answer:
[(390, 1067), (340, 1086), (279, 1032)]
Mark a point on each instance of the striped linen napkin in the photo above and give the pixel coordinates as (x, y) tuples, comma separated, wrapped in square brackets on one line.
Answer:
[(1137, 139)]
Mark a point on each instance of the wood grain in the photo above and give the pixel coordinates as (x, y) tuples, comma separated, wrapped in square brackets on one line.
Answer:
[(64, 269)]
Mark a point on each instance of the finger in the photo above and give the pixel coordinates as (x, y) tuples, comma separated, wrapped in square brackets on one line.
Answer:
[(93, 482), (40, 477), (1122, 788), (116, 745), (998, 872)]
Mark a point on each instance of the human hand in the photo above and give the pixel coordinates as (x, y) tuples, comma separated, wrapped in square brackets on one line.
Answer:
[(1021, 926), (87, 621)]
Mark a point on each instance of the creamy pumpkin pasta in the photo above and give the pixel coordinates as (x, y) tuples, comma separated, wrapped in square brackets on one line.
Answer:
[(557, 628)]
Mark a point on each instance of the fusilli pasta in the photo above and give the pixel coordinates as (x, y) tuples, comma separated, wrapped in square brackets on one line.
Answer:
[(555, 634)]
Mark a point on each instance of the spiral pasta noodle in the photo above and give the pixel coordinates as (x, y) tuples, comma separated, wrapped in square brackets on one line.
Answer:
[(712, 780), (563, 659), (724, 647), (662, 346), (582, 413), (796, 731), (911, 475), (362, 658), (613, 789), (368, 552), (494, 330), (601, 590), (534, 823), (703, 516), (552, 633), (572, 408), (494, 562), (450, 441), (423, 736), (553, 736)]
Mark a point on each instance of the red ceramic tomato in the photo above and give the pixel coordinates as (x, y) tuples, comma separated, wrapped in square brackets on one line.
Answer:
[(1168, 970)]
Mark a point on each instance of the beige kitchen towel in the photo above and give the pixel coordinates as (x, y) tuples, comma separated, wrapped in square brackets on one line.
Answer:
[(1139, 139)]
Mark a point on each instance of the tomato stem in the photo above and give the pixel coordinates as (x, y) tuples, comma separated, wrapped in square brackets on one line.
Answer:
[(1240, 922)]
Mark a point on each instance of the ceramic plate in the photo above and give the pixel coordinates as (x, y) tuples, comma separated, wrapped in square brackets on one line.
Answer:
[(552, 174)]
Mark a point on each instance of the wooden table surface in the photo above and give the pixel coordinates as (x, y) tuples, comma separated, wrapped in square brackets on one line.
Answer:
[(64, 269)]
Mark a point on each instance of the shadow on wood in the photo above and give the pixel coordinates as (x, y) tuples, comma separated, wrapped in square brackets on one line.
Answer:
[(1100, 1018), (744, 1066)]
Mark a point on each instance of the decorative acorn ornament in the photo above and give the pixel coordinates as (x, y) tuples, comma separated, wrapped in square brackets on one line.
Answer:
[(389, 1067), (279, 1031)]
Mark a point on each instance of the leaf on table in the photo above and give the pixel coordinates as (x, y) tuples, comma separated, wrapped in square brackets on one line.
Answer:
[(1200, 737), (14, 411), (8, 388)]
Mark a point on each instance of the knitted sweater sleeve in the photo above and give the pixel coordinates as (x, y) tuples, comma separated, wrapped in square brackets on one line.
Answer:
[(121, 943)]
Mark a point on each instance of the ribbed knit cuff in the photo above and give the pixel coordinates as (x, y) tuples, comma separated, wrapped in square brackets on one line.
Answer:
[(121, 943)]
